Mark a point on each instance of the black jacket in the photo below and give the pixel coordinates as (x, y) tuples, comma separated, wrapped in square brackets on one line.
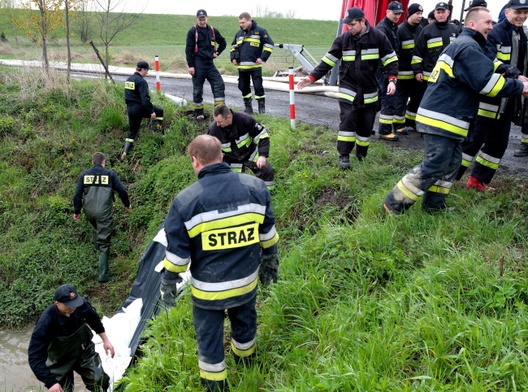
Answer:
[(52, 324), (202, 43), (245, 140), (137, 92), (430, 43), (361, 56), (408, 35), (219, 225), (249, 45), (463, 74), (391, 31)]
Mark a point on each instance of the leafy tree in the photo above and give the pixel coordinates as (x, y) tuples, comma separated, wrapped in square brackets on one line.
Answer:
[(40, 24)]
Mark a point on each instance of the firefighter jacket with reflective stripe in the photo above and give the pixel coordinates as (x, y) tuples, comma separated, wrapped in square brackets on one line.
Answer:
[(462, 74), (361, 56), (51, 325), (508, 43), (249, 45), (408, 35), (430, 43), (96, 186), (219, 225), (244, 140), (201, 42), (137, 92)]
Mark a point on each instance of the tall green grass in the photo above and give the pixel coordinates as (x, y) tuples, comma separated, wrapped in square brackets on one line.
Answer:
[(364, 302)]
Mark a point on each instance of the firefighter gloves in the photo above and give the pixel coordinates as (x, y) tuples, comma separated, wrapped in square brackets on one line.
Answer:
[(269, 268)]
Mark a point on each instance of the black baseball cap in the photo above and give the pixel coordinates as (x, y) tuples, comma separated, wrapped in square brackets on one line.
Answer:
[(67, 294), (396, 7), (354, 13), (517, 4), (477, 3), (143, 64), (441, 6), (201, 14)]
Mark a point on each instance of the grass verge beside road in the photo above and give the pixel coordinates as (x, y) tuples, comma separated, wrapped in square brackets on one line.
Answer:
[(364, 302)]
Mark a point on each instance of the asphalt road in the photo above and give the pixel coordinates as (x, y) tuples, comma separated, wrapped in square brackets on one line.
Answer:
[(318, 110)]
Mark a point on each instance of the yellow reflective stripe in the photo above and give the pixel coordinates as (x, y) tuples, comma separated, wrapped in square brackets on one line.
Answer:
[(213, 372), (494, 86), (349, 58), (227, 222), (488, 161), (243, 349), (406, 191), (224, 294), (178, 266), (370, 100), (438, 189), (346, 136), (389, 60), (130, 85), (446, 126)]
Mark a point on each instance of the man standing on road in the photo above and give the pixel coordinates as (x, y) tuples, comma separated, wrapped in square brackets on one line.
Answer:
[(95, 194), (139, 106), (389, 27), (204, 45), (245, 143), (361, 49), (430, 43), (489, 140), (408, 97), (462, 73), (251, 47), (224, 227), (61, 344)]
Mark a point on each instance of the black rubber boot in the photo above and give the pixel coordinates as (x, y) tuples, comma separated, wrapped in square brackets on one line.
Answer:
[(126, 149), (521, 152), (103, 269), (261, 105), (249, 106)]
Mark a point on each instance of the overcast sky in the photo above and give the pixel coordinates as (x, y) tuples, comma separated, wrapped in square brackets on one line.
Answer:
[(300, 9)]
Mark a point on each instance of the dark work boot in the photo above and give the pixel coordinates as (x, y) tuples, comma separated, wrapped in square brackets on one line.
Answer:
[(103, 269), (128, 146), (157, 125), (261, 105), (249, 106), (521, 152)]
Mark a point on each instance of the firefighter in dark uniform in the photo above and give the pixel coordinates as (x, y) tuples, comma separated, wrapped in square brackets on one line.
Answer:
[(251, 47), (95, 195), (463, 73), (204, 44), (408, 97), (361, 49), (223, 226), (61, 344), (139, 106), (245, 143), (489, 139), (389, 27), (430, 43)]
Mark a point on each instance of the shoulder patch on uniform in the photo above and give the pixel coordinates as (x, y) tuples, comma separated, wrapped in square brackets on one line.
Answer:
[(186, 196), (251, 181)]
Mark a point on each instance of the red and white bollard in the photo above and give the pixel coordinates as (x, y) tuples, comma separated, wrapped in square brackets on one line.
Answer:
[(292, 98), (158, 83)]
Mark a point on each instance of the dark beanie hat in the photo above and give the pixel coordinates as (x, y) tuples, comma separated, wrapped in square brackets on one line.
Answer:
[(413, 9)]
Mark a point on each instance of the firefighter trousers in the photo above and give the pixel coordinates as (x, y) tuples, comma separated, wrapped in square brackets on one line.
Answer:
[(431, 179), (355, 127), (136, 113), (244, 83), (485, 145), (209, 329), (206, 70)]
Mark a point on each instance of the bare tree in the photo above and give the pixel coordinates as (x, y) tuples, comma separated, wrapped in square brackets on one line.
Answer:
[(113, 20), (83, 21), (290, 14), (11, 5)]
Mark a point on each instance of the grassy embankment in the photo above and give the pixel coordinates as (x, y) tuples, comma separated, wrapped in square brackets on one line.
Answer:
[(164, 36), (364, 303)]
